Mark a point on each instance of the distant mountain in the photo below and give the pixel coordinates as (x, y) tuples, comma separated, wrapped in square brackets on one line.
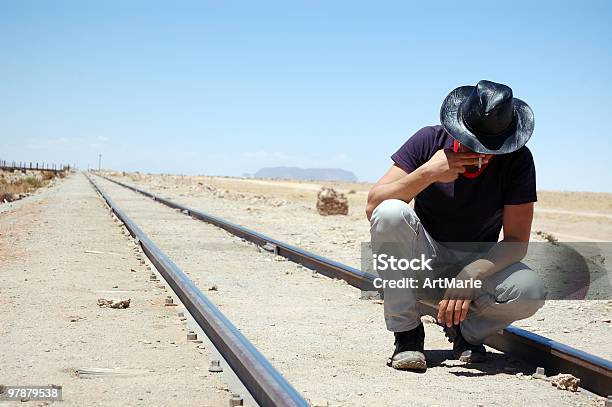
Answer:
[(320, 174)]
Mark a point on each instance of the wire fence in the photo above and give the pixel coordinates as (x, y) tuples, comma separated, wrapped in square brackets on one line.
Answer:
[(33, 166)]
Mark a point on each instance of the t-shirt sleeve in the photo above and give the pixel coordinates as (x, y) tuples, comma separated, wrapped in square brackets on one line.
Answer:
[(521, 181), (416, 151)]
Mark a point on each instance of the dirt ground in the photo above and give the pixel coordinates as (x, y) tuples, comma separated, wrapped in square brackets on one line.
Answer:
[(286, 210), (328, 343), (59, 252)]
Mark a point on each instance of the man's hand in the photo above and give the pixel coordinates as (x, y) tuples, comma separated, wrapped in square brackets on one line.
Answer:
[(446, 165), (453, 311), (454, 307)]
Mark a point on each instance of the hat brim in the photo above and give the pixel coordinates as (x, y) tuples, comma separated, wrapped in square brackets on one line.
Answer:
[(450, 117)]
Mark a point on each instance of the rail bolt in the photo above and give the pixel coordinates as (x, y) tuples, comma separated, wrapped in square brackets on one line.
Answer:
[(215, 366), (269, 247), (236, 400), (540, 373), (169, 301), (192, 336), (180, 314)]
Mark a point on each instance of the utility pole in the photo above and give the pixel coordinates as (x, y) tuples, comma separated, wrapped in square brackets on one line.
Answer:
[(99, 162)]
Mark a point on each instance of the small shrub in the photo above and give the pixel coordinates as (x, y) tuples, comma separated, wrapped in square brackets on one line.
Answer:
[(33, 182), (47, 175)]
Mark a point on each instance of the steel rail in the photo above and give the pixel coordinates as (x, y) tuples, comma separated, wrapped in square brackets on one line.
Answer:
[(267, 386), (594, 372)]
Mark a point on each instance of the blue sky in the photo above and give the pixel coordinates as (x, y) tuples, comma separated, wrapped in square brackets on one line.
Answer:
[(227, 87)]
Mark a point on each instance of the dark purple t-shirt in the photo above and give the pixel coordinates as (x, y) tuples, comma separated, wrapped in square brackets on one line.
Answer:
[(468, 209)]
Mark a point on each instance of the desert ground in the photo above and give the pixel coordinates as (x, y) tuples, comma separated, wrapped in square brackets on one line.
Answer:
[(286, 210), (60, 251)]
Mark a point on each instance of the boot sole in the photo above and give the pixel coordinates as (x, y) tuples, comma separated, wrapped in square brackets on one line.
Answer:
[(409, 363)]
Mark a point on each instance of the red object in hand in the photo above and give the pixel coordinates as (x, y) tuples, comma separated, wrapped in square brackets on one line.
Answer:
[(471, 174)]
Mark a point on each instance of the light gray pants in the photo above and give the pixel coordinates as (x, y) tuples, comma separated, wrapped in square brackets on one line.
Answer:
[(509, 295)]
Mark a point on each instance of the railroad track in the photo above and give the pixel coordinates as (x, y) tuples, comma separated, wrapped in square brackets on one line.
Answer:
[(265, 384), (595, 372)]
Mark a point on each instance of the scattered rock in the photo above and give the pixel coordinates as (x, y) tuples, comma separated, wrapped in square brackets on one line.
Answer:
[(598, 259), (565, 381), (93, 372), (213, 288), (318, 402), (547, 236), (112, 303), (330, 202)]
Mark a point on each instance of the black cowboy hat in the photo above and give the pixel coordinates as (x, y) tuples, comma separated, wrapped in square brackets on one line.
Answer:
[(486, 118)]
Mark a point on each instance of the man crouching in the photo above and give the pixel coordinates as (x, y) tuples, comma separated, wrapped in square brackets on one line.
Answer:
[(470, 178)]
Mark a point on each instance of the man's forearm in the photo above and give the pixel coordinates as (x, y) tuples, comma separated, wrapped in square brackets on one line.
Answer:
[(405, 188), (502, 255)]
